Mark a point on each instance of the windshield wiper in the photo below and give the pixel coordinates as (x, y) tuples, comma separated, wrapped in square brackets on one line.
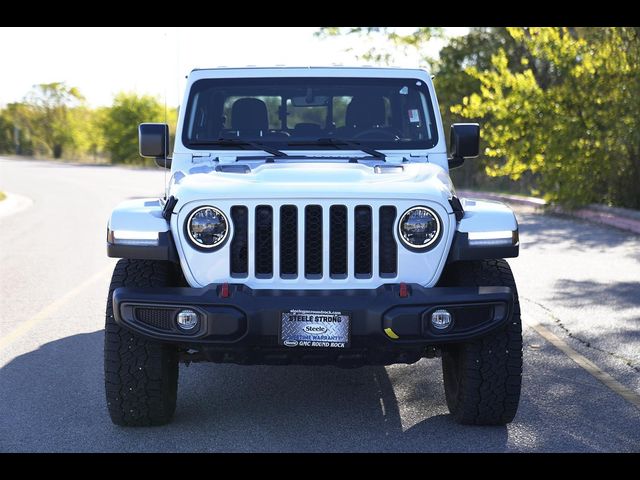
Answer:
[(339, 142), (242, 144)]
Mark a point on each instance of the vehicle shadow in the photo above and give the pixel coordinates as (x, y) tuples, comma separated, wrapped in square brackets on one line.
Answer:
[(52, 399)]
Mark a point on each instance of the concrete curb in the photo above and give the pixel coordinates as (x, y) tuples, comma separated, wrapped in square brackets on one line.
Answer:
[(14, 203), (622, 218)]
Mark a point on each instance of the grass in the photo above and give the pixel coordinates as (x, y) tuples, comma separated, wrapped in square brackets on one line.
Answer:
[(2, 196)]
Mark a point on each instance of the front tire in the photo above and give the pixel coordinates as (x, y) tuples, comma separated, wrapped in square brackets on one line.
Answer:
[(141, 376), (482, 379)]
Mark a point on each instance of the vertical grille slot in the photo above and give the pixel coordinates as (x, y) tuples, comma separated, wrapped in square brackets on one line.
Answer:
[(388, 248), (362, 242), (240, 242), (288, 241), (338, 241), (264, 241), (313, 241)]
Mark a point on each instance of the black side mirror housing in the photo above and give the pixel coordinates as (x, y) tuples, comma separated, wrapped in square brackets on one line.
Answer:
[(464, 142), (154, 142)]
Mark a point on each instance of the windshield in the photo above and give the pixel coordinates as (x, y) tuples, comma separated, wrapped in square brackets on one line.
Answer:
[(306, 112)]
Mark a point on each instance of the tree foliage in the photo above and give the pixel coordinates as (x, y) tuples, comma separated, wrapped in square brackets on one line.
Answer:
[(400, 43), (48, 116), (566, 111), (120, 124), (558, 107)]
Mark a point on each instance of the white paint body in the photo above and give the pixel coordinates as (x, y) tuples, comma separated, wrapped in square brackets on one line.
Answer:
[(421, 179)]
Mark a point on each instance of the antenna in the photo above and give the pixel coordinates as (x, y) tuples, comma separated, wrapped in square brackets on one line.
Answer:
[(166, 189)]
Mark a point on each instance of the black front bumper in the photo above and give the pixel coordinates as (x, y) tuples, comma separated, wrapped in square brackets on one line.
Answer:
[(242, 325)]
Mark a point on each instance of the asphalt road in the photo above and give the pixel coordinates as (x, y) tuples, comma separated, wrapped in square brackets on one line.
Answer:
[(579, 280)]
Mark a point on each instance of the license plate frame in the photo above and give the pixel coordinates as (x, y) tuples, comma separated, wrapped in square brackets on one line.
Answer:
[(315, 328)]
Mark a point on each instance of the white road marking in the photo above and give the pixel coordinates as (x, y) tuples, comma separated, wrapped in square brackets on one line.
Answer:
[(50, 309), (610, 382)]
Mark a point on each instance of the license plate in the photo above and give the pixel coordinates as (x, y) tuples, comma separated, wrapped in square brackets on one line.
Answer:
[(315, 328)]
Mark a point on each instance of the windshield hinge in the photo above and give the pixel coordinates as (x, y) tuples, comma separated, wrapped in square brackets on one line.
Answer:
[(199, 157), (394, 159), (227, 158)]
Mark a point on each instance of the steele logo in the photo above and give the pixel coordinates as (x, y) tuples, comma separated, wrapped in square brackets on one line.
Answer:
[(315, 329), (291, 343)]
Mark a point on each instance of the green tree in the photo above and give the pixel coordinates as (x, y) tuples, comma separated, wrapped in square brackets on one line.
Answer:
[(120, 124), (576, 126), (7, 144), (18, 117), (400, 44), (48, 118)]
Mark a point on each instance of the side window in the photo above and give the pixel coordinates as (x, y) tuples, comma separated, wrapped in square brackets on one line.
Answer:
[(273, 104)]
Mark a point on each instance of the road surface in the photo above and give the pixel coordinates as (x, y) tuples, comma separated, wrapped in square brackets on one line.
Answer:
[(578, 283)]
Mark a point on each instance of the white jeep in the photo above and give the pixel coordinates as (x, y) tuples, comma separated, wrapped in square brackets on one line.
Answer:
[(310, 219)]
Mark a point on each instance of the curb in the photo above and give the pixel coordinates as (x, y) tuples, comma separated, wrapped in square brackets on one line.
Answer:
[(622, 218), (14, 203)]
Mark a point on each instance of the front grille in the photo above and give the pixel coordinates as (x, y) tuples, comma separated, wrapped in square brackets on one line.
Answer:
[(160, 318), (338, 241), (264, 241), (314, 242), (240, 242), (288, 241), (388, 246), (363, 237)]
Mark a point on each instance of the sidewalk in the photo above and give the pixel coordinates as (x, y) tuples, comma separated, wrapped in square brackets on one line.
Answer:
[(621, 218)]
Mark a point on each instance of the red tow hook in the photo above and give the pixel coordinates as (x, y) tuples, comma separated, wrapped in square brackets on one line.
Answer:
[(224, 290), (404, 290)]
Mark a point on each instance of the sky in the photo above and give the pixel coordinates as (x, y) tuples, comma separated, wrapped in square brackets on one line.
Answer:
[(102, 61)]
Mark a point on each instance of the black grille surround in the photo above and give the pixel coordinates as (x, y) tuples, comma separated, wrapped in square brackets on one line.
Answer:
[(338, 241)]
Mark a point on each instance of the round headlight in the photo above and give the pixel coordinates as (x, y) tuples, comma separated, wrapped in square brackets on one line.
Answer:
[(419, 227), (207, 227)]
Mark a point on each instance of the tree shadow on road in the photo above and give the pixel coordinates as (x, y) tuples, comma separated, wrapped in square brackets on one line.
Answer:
[(550, 231), (616, 295)]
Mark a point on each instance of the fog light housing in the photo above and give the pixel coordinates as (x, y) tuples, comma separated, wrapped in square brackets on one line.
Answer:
[(441, 319), (187, 320)]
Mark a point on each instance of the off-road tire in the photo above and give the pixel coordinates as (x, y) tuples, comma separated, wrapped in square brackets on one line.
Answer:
[(141, 376), (482, 379)]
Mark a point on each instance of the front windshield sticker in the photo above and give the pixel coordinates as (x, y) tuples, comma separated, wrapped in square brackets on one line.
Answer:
[(414, 116), (404, 91)]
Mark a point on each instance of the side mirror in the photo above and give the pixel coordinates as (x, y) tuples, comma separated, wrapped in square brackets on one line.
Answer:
[(464, 142), (154, 142)]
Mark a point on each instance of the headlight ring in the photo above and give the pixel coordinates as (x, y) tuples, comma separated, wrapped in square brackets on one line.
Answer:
[(207, 227), (419, 228)]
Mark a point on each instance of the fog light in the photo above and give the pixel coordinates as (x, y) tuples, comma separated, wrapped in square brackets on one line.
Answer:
[(187, 319), (441, 319)]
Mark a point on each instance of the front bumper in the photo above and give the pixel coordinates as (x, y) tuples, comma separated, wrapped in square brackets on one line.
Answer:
[(242, 325)]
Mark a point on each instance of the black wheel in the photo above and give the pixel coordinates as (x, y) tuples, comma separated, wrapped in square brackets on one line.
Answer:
[(482, 379), (141, 376)]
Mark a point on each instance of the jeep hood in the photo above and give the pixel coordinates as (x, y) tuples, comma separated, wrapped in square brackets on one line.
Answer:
[(312, 179)]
